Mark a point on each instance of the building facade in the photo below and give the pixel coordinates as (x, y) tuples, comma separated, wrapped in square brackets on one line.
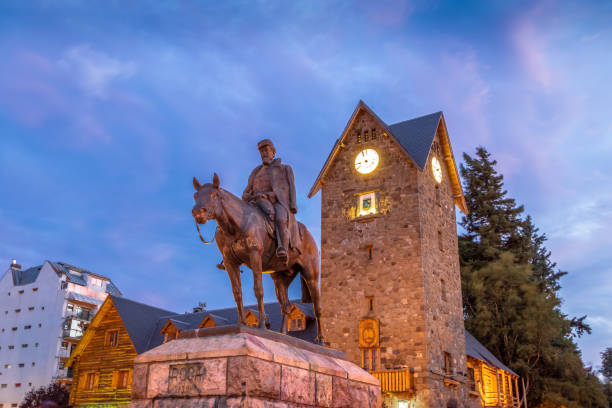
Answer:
[(390, 279), (104, 358), (44, 311)]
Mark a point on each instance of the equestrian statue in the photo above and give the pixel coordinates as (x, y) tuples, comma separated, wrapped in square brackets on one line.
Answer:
[(261, 232)]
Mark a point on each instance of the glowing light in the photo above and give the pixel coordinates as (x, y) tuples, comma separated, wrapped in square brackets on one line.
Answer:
[(367, 204), (366, 161), (436, 169)]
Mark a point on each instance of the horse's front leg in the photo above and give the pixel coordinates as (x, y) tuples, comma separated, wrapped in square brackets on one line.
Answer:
[(255, 264), (233, 271)]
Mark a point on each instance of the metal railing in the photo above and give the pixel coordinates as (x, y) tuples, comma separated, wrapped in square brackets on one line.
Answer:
[(64, 353), (394, 380)]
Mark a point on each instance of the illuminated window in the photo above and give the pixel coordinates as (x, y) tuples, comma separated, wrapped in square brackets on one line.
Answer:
[(112, 338), (366, 204), (121, 379), (251, 319), (171, 335), (366, 136), (358, 141), (370, 359), (91, 381), (296, 324), (471, 379), (448, 364)]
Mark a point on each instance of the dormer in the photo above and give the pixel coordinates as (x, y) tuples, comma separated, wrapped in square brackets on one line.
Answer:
[(171, 329), (251, 318), (297, 319), (211, 320)]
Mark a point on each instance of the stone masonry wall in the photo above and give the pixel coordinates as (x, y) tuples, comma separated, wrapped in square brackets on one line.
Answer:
[(394, 275), (419, 320), (442, 282)]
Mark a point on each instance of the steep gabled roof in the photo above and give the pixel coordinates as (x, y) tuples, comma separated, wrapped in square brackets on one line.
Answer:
[(415, 137), (475, 349), (139, 320)]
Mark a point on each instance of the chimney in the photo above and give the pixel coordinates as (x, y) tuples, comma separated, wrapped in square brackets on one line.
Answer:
[(15, 265), (197, 310)]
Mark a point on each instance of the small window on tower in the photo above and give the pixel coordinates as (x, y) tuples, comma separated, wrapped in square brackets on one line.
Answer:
[(366, 136), (438, 196), (358, 136), (367, 204), (373, 134), (448, 365), (443, 290), (440, 246), (370, 302)]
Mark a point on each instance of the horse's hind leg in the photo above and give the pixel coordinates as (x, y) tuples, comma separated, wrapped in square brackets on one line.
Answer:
[(234, 274), (282, 280), (310, 275), (255, 264)]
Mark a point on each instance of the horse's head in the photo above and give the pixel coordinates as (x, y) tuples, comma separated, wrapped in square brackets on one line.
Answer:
[(206, 200)]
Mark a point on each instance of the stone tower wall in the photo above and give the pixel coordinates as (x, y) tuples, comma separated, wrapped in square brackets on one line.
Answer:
[(418, 320), (442, 281)]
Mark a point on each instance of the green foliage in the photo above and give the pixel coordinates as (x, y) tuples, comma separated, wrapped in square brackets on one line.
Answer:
[(606, 364), (510, 293), (53, 392)]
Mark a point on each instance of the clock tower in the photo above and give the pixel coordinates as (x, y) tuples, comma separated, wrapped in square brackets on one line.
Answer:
[(390, 281)]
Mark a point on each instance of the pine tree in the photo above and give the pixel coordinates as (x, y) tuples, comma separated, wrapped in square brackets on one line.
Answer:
[(510, 291)]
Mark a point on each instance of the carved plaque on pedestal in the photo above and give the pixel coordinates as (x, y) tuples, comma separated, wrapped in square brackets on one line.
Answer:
[(186, 378)]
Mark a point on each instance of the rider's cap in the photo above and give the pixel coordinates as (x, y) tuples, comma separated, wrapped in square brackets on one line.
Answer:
[(265, 142)]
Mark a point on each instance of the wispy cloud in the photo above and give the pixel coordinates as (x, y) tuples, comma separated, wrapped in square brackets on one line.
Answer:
[(95, 70)]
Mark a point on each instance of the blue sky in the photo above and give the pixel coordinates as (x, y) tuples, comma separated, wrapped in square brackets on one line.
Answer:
[(108, 109)]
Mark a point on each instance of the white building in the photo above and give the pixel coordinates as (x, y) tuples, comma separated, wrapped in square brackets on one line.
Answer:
[(44, 311)]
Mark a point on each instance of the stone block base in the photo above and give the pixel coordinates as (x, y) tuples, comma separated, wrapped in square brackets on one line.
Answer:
[(237, 366)]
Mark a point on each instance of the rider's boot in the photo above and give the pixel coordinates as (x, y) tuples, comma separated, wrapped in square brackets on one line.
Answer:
[(283, 244)]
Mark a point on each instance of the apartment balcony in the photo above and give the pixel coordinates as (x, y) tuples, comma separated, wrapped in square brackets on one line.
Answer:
[(62, 373), (68, 334), (64, 353), (85, 315), (394, 380)]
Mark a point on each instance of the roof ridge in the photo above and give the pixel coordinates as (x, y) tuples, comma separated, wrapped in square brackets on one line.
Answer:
[(417, 118), (114, 297)]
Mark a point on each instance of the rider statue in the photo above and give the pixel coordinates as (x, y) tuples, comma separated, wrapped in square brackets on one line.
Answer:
[(271, 187)]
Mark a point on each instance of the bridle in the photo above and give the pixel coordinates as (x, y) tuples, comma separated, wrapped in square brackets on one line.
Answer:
[(200, 234), (216, 228)]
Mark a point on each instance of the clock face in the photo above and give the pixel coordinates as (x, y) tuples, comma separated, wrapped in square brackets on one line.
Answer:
[(436, 169), (366, 161)]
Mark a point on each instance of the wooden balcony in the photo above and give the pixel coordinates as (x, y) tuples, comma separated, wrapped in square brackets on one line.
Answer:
[(394, 380)]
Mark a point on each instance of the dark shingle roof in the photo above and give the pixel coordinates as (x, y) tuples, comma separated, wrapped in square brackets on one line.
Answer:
[(139, 320), (229, 316), (25, 277), (416, 136), (79, 276), (475, 349)]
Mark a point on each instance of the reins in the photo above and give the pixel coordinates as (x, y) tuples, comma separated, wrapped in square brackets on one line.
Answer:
[(202, 238)]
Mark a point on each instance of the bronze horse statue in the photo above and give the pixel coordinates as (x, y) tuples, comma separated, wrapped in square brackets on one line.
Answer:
[(245, 237)]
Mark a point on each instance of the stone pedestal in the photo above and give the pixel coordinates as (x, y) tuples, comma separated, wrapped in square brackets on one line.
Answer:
[(237, 366)]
